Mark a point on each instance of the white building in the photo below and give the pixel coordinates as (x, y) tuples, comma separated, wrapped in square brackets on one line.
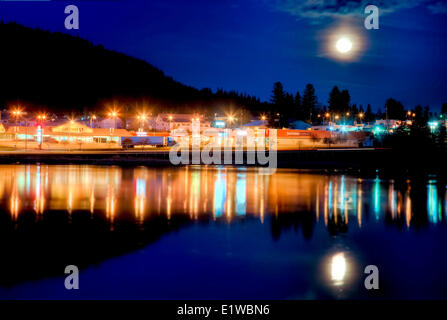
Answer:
[(109, 123), (175, 121)]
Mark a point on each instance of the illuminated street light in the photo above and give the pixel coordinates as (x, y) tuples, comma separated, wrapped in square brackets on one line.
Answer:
[(170, 122), (361, 115), (231, 118), (113, 114), (92, 118), (16, 113), (142, 117)]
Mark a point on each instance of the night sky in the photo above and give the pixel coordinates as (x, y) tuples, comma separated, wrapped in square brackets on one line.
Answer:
[(246, 45)]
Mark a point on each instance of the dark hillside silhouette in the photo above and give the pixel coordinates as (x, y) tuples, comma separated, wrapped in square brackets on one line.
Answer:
[(63, 73)]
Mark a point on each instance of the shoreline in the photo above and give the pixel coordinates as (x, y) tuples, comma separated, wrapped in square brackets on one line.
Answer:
[(362, 160)]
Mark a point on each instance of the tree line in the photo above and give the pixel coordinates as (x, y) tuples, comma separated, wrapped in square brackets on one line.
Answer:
[(285, 107)]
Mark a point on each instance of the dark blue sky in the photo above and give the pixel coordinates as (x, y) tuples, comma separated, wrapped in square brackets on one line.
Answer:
[(247, 45)]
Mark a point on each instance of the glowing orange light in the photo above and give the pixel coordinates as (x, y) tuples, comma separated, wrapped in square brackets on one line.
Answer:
[(16, 112), (142, 117)]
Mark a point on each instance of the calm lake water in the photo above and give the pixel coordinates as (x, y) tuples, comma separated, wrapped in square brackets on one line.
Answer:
[(218, 233)]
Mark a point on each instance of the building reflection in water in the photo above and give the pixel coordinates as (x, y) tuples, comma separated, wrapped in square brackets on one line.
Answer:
[(14, 202), (39, 201), (140, 197), (111, 204), (434, 207), (219, 193)]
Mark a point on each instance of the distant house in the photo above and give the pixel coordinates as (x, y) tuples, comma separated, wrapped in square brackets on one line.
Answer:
[(256, 124), (176, 121)]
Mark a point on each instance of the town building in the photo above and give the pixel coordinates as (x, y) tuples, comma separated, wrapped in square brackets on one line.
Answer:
[(71, 132), (176, 121), (110, 123), (256, 124)]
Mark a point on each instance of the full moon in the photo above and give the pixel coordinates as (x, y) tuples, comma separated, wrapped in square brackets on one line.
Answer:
[(344, 45)]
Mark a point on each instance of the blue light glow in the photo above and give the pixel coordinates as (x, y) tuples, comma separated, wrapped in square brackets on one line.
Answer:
[(241, 194), (220, 194)]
